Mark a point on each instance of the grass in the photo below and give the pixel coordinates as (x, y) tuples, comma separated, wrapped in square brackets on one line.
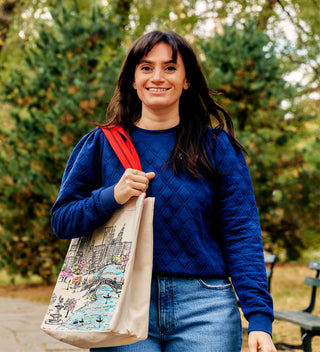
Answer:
[(30, 288), (312, 253), (287, 289), (289, 292), (18, 279)]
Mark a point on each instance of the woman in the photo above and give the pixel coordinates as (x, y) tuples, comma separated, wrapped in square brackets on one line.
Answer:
[(206, 226)]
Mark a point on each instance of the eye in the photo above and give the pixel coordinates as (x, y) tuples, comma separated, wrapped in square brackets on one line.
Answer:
[(145, 68), (171, 68)]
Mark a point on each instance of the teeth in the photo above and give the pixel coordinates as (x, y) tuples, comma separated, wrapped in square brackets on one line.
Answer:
[(157, 89)]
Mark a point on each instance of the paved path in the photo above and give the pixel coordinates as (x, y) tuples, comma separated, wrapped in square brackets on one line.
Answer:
[(20, 331)]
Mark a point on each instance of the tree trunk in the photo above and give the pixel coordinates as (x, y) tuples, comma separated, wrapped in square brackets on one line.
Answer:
[(266, 13), (6, 11)]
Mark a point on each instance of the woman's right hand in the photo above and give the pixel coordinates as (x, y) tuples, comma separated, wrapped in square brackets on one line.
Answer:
[(132, 184)]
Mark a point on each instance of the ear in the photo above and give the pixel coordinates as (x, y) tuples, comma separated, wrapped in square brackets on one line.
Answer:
[(134, 84), (186, 84)]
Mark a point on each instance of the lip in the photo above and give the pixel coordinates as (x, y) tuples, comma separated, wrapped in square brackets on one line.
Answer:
[(157, 90)]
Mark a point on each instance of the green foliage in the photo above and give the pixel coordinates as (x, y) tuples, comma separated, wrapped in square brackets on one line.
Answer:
[(179, 16), (65, 81), (242, 64), (62, 74)]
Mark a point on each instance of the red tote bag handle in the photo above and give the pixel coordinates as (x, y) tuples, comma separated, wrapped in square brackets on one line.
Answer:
[(122, 146)]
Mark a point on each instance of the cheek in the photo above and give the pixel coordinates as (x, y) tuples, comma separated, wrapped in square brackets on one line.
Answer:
[(138, 82), (134, 82), (138, 90)]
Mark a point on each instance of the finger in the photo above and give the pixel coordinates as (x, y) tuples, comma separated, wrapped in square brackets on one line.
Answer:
[(123, 193), (140, 186), (135, 175), (135, 193), (138, 182), (140, 176), (252, 344), (134, 172), (150, 175)]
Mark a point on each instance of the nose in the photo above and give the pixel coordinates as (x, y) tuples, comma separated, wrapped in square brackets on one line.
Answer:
[(157, 76)]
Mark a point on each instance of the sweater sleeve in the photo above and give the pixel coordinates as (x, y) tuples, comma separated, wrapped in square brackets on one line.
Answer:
[(83, 204), (241, 235)]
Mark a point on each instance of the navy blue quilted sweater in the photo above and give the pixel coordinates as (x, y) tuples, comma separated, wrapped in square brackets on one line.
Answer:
[(202, 228)]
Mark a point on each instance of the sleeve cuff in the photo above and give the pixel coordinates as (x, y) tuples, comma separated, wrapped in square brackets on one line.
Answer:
[(107, 201), (260, 322)]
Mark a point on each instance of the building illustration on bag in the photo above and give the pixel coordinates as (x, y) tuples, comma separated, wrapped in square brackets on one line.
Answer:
[(108, 249), (92, 277)]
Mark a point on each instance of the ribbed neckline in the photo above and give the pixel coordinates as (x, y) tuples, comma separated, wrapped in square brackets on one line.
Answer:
[(169, 131)]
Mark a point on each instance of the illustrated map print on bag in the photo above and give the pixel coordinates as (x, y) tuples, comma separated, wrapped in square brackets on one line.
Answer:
[(90, 283)]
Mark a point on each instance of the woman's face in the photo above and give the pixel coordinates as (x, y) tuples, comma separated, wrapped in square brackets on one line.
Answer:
[(159, 81)]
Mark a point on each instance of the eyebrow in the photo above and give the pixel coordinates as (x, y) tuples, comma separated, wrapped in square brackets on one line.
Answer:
[(144, 61)]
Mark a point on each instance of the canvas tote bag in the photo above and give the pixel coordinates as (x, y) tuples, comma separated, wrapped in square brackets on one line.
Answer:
[(102, 294)]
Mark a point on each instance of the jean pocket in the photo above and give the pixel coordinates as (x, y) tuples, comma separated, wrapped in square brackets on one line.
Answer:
[(215, 284)]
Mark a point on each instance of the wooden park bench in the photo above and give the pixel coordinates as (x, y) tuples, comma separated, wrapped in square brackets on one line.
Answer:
[(308, 322), (269, 260)]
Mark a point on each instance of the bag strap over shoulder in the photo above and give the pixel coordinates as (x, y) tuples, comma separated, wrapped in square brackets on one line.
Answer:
[(122, 146)]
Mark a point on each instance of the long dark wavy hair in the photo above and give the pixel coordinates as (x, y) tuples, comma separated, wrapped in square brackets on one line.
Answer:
[(197, 107)]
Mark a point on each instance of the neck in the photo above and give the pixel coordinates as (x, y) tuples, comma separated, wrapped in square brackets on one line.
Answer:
[(163, 120)]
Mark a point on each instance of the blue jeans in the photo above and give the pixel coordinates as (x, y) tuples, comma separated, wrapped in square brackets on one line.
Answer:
[(190, 315)]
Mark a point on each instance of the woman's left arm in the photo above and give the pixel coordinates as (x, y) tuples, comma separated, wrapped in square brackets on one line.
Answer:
[(260, 340), (240, 233)]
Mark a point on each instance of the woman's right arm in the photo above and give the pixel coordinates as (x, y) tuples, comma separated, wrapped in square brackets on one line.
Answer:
[(85, 201), (83, 204)]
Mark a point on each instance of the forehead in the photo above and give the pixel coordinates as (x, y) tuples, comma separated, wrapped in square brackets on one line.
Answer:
[(162, 52)]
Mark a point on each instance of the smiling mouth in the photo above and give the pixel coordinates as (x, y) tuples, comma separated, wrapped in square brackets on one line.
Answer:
[(158, 89)]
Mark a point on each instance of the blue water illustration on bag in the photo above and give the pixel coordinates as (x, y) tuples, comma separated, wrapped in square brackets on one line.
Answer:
[(86, 295)]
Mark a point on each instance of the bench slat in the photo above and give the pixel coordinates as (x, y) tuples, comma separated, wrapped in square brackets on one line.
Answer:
[(305, 320), (315, 265), (270, 258), (312, 281), (308, 322)]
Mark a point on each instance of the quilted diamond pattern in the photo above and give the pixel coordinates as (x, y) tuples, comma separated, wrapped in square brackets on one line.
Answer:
[(177, 247), (202, 228)]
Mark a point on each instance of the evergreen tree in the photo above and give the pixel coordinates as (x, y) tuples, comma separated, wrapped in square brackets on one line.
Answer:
[(69, 72), (242, 64), (67, 77)]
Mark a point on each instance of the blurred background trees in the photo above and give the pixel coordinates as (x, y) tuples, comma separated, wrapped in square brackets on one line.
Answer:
[(59, 64)]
